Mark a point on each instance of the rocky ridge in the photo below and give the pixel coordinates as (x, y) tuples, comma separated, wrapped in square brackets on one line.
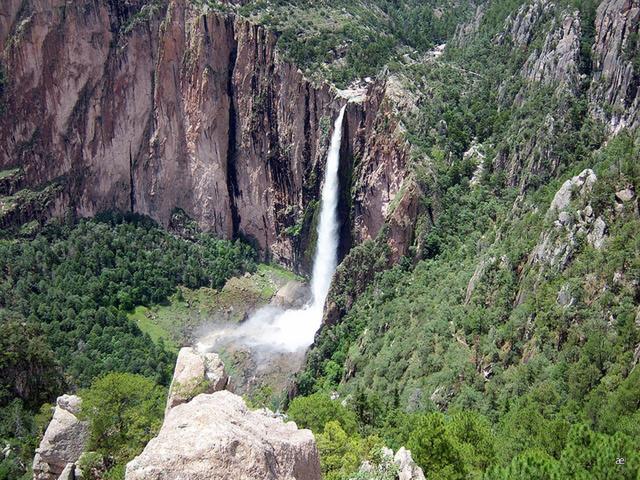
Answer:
[(614, 92), (195, 373)]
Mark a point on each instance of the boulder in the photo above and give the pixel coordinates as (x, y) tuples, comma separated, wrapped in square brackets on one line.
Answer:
[(71, 472), (216, 437), (293, 294), (407, 468), (401, 465), (64, 440), (580, 184), (195, 373), (598, 234), (626, 195)]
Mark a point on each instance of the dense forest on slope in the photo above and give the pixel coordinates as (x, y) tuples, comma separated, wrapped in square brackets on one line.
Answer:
[(64, 299), (539, 361), (342, 41), (507, 346)]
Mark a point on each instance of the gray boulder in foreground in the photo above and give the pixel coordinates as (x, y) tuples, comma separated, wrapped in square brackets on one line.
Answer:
[(216, 437), (64, 440)]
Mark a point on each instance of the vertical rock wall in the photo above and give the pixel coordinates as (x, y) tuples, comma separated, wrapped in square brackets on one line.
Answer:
[(148, 109)]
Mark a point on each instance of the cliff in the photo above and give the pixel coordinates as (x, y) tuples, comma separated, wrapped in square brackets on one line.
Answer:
[(149, 107)]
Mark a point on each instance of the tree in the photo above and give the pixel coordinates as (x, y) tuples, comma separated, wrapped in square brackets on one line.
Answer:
[(530, 465), (435, 449), (124, 411), (340, 454), (28, 369), (316, 410)]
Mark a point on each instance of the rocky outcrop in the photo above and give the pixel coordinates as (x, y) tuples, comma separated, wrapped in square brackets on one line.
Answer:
[(467, 31), (149, 108), (380, 180), (293, 294), (71, 472), (195, 373), (557, 245), (215, 437), (64, 441), (209, 433), (407, 467), (558, 60), (614, 94), (401, 465), (521, 27), (572, 218)]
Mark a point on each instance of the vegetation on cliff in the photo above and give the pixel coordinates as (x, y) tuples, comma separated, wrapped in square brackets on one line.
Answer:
[(510, 318), (341, 41)]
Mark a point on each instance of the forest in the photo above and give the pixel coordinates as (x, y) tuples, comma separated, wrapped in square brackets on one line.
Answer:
[(64, 299)]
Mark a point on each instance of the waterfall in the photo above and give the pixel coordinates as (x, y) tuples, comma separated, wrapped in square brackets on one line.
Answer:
[(326, 258), (271, 327)]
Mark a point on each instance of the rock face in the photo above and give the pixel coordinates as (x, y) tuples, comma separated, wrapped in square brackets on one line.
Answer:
[(150, 108), (521, 27), (64, 441), (215, 437), (614, 92), (195, 373), (558, 60), (556, 245), (293, 294), (573, 219)]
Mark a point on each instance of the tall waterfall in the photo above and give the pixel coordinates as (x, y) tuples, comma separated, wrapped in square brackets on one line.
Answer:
[(291, 330), (326, 259)]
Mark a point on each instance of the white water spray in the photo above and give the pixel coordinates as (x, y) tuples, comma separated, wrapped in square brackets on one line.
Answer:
[(291, 330)]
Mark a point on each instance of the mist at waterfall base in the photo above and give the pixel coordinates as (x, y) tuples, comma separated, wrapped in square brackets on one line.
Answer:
[(272, 328)]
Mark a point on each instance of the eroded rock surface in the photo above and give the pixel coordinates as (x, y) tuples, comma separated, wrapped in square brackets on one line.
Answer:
[(293, 295), (64, 441), (407, 467), (150, 109), (614, 93), (401, 464), (216, 437), (195, 373)]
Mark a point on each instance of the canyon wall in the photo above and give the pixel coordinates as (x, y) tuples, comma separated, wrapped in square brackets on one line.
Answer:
[(153, 108)]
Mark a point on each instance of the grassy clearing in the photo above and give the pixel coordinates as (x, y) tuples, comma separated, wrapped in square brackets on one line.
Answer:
[(188, 309), (149, 324)]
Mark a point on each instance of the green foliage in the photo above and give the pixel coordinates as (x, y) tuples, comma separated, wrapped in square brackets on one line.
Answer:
[(141, 16), (340, 454), (434, 450), (64, 301), (28, 368), (124, 412), (383, 467), (549, 390), (19, 433), (76, 282), (315, 411), (586, 455), (345, 40)]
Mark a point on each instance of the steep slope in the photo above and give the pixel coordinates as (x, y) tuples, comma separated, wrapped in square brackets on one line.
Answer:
[(148, 107), (523, 310)]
